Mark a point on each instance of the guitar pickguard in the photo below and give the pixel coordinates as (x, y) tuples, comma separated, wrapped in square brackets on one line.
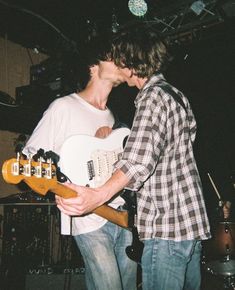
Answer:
[(89, 161)]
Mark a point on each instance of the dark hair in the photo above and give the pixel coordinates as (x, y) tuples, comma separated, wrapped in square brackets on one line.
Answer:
[(140, 47), (94, 51)]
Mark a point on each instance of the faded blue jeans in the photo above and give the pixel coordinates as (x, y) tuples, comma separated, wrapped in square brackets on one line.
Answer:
[(107, 266), (170, 265)]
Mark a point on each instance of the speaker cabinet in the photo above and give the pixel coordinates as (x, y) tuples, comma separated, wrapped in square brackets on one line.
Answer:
[(55, 282)]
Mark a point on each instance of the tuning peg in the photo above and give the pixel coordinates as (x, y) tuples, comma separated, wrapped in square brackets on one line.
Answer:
[(19, 147), (50, 155), (53, 156), (40, 154), (61, 177)]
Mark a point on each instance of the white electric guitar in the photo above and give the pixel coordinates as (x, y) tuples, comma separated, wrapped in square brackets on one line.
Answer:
[(85, 160)]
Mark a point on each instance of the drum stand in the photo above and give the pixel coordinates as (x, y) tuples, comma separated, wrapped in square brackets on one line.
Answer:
[(229, 282), (223, 266)]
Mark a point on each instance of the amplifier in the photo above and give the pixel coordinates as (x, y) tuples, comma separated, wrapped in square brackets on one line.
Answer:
[(34, 96), (46, 71), (26, 233), (58, 75), (31, 233), (40, 96), (55, 282)]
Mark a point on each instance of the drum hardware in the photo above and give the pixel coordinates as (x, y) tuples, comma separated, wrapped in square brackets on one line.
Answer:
[(229, 283), (224, 270), (219, 254), (219, 251), (226, 258)]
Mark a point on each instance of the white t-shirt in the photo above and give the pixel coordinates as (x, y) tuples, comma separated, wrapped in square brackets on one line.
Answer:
[(67, 116)]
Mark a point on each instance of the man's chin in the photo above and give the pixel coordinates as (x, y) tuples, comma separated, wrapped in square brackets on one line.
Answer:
[(130, 84), (117, 83)]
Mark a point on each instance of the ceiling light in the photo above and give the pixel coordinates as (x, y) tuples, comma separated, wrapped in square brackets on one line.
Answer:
[(198, 6), (137, 7)]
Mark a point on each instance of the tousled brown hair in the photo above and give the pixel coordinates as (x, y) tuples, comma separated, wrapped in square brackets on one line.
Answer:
[(141, 48)]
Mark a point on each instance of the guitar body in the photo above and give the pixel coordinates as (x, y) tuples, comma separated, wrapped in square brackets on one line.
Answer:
[(88, 160)]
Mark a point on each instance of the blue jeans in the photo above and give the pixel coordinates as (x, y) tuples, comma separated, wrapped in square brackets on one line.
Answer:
[(170, 265), (106, 263)]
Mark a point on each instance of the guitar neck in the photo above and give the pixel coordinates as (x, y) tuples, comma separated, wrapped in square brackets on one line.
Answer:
[(113, 215)]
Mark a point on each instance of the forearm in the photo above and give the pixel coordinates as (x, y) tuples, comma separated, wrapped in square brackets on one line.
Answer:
[(115, 184)]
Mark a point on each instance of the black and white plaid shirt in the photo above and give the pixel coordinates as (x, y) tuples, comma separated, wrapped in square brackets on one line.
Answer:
[(159, 160)]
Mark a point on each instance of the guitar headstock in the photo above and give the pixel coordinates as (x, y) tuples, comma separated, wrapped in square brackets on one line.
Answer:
[(39, 176)]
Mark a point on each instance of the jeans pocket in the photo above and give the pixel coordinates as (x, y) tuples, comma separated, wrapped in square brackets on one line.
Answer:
[(182, 249)]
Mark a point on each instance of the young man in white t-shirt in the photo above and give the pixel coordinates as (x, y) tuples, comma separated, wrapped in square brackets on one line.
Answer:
[(101, 243)]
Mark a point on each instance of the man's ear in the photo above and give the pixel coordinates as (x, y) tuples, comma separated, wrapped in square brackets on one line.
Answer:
[(93, 69)]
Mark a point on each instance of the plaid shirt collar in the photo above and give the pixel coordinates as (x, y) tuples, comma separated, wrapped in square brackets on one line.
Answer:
[(151, 81)]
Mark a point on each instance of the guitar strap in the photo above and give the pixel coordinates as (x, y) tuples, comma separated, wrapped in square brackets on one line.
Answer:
[(167, 88)]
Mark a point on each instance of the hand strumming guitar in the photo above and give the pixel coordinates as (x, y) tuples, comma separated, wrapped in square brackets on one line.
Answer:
[(103, 132)]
